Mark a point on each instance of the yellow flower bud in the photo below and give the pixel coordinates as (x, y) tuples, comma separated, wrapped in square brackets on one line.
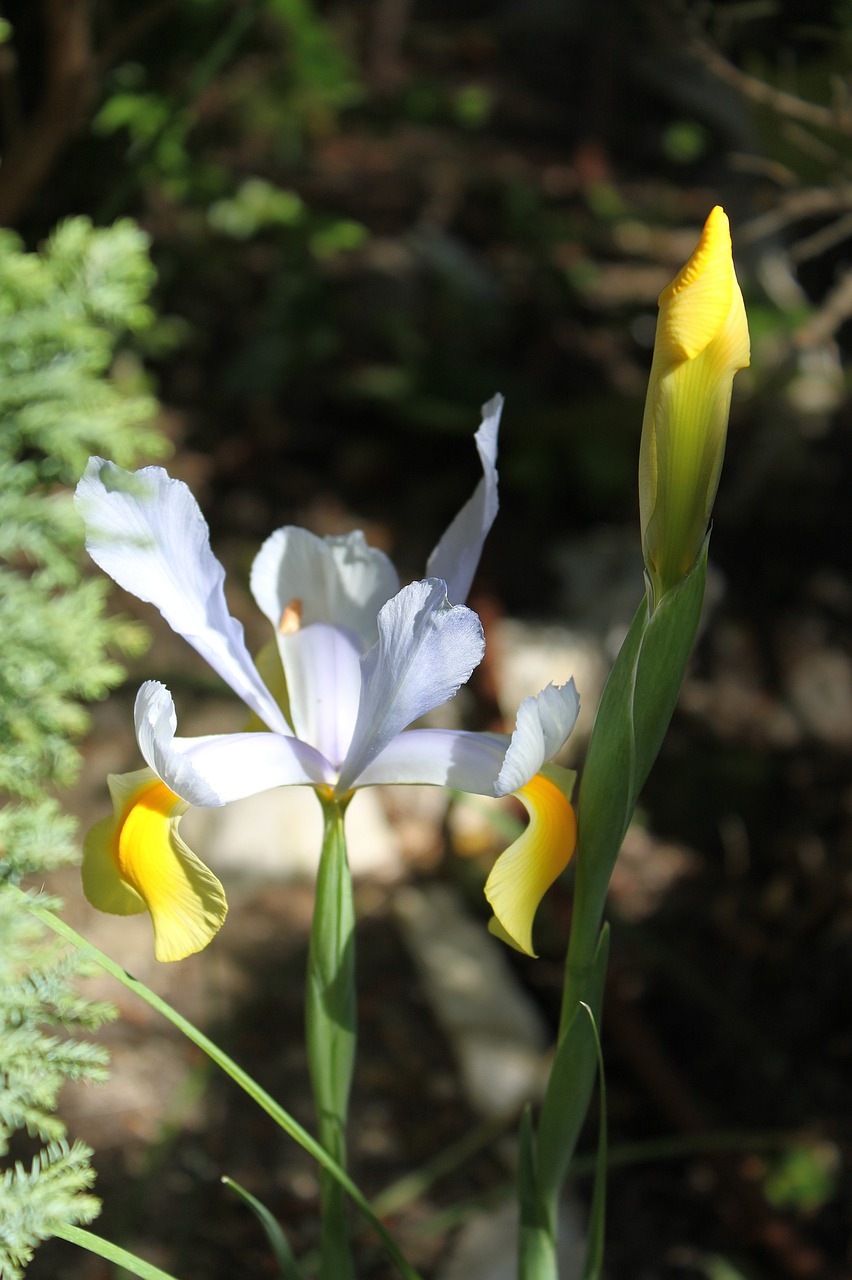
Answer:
[(701, 341)]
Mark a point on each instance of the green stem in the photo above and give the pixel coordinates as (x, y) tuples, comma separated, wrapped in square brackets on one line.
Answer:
[(632, 720), (330, 1022)]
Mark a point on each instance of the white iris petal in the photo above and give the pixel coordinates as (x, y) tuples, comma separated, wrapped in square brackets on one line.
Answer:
[(147, 532), (322, 666), (341, 581), (456, 557), (215, 769), (426, 650), (455, 758), (543, 724)]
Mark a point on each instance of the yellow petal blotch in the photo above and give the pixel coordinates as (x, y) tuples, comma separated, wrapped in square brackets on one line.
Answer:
[(137, 861), (522, 875)]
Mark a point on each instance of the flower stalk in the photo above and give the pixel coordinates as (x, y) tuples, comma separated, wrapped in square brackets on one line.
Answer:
[(330, 1020), (702, 339)]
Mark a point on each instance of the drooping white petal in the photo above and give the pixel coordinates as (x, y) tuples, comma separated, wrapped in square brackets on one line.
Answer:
[(340, 581), (456, 556), (322, 665), (441, 757), (218, 768), (543, 724), (146, 531), (427, 648)]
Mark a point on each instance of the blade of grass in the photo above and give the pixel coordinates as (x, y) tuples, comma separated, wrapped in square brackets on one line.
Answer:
[(272, 1228), (597, 1217), (240, 1077), (112, 1253)]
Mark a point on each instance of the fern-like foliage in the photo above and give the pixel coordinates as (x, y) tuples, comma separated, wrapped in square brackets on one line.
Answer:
[(64, 314), (37, 1202)]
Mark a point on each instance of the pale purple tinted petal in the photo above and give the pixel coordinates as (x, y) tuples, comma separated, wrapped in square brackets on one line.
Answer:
[(427, 649), (341, 581), (146, 531), (322, 666), (218, 768), (443, 757), (456, 556), (543, 724)]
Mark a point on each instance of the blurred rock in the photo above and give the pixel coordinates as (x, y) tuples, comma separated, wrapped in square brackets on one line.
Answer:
[(498, 1035)]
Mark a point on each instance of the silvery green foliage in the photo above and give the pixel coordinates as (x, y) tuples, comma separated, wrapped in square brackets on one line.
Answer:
[(68, 315)]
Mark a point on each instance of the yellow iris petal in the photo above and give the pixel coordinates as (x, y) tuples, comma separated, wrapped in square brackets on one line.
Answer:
[(522, 875), (695, 305), (137, 861), (702, 340)]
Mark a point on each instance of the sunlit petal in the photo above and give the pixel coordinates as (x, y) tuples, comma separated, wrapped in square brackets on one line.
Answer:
[(454, 758), (522, 875), (701, 341), (694, 307), (456, 556), (218, 768), (543, 724), (137, 860), (322, 665), (146, 531), (427, 649), (340, 581)]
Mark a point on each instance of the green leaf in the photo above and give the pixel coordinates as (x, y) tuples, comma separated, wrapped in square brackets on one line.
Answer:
[(597, 1218), (536, 1230), (272, 1228), (566, 1099), (112, 1253), (240, 1077), (631, 722)]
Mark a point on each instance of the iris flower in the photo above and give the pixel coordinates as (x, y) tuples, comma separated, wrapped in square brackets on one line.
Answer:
[(356, 661), (701, 341)]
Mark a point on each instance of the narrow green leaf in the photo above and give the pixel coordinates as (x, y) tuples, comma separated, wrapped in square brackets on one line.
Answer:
[(597, 1217), (274, 1233), (575, 1064), (112, 1253), (632, 719), (536, 1230), (240, 1077)]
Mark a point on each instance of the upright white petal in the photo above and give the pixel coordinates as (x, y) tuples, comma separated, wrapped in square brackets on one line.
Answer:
[(341, 581), (456, 556), (146, 531), (543, 724), (427, 648), (322, 666), (215, 769)]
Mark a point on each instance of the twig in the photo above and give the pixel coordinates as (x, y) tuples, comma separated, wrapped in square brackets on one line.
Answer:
[(795, 206), (834, 312), (766, 95), (823, 240)]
